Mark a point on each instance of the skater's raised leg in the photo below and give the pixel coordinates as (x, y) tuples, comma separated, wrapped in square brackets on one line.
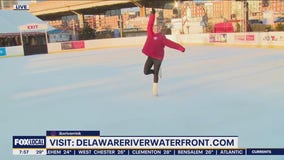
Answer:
[(148, 65), (148, 68)]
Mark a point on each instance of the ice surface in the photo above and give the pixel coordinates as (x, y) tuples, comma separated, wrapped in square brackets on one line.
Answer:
[(208, 90)]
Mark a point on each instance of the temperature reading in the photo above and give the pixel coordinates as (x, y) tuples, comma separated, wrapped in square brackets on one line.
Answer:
[(40, 152), (167, 152), (121, 152), (67, 152), (209, 152)]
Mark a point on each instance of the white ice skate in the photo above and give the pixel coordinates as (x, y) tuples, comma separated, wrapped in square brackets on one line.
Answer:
[(155, 89)]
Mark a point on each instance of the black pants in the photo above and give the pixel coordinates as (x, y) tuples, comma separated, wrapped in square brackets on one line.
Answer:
[(148, 65)]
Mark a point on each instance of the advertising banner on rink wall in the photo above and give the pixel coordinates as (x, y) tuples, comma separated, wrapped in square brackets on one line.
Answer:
[(218, 37), (252, 39), (272, 38), (260, 39), (2, 51), (72, 45), (13, 51)]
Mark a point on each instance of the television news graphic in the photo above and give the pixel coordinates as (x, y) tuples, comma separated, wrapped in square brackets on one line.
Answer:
[(29, 145), (21, 7), (92, 143)]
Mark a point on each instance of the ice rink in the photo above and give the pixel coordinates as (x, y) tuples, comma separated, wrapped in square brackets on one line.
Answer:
[(208, 90)]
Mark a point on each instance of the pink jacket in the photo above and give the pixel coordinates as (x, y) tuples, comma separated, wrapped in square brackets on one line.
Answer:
[(156, 42)]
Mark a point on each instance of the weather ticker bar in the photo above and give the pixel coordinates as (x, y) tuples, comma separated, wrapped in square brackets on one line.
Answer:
[(154, 152)]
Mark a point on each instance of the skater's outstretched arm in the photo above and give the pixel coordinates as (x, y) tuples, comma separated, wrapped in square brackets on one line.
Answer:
[(151, 23), (173, 45)]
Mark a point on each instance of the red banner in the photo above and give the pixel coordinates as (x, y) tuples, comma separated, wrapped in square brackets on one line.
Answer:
[(78, 44), (73, 45)]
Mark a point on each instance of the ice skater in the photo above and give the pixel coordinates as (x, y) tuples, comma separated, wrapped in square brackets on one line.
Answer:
[(154, 49)]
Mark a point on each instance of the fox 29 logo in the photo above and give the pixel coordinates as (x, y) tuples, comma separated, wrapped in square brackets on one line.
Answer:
[(29, 142)]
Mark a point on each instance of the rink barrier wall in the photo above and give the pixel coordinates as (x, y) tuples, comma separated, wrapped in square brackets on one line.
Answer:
[(250, 39), (14, 51)]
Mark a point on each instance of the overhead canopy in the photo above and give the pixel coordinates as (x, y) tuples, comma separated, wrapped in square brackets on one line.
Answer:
[(50, 10), (55, 9), (11, 20)]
